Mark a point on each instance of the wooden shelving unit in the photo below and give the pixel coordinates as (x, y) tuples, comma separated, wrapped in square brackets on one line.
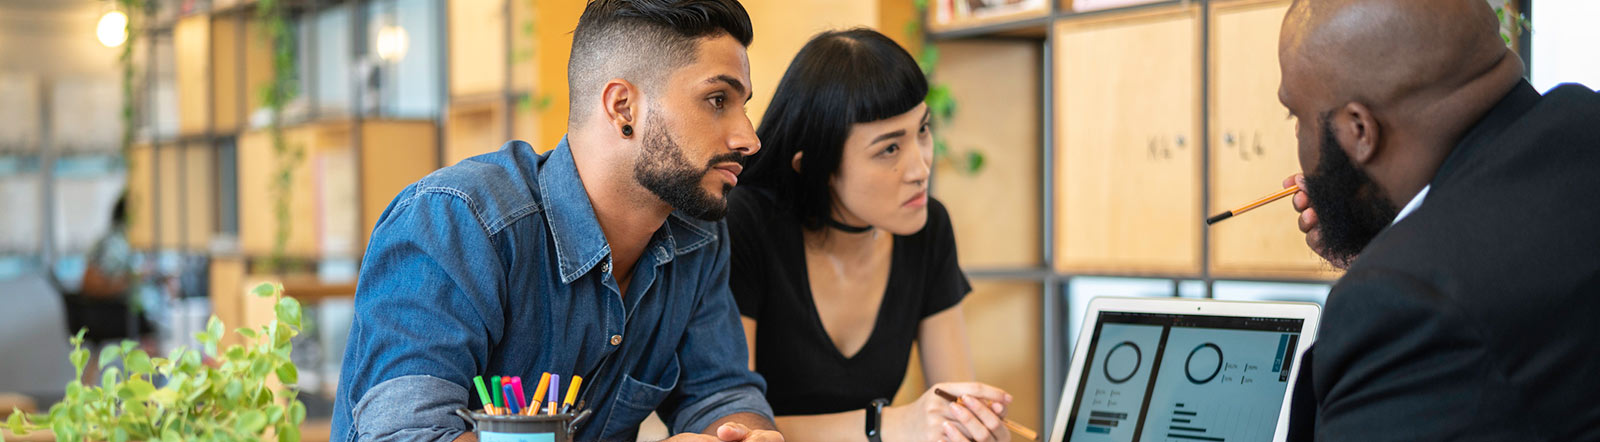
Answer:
[(1125, 155)]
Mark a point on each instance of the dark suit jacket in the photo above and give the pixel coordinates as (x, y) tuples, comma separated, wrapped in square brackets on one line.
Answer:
[(1477, 317)]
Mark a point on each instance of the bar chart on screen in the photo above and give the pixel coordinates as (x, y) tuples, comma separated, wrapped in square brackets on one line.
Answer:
[(1221, 385)]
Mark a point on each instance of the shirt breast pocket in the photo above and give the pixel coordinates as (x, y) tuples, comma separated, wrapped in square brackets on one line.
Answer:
[(635, 400)]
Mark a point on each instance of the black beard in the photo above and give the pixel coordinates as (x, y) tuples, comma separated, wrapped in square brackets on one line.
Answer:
[(1351, 209), (662, 168)]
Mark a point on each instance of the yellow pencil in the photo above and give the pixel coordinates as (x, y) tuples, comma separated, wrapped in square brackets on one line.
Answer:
[(1291, 190)]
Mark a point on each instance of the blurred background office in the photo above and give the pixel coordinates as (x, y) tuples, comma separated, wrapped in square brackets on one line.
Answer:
[(1080, 141)]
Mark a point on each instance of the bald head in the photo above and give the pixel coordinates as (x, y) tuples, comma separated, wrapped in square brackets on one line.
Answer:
[(1389, 53)]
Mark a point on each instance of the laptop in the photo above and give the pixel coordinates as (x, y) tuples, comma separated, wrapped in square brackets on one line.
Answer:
[(1183, 370)]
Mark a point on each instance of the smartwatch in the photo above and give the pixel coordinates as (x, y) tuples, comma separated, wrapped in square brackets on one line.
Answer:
[(875, 420)]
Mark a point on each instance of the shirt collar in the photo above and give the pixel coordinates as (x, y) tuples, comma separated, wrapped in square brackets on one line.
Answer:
[(1416, 201), (579, 243)]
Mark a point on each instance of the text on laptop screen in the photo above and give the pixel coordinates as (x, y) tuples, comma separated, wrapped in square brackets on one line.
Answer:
[(1183, 378)]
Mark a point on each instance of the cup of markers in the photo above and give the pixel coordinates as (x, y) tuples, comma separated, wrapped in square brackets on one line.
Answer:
[(508, 415)]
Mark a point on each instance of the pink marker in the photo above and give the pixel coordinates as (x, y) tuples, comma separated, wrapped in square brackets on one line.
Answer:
[(516, 385)]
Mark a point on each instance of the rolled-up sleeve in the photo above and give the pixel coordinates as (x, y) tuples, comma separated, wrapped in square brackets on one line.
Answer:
[(427, 312), (716, 380)]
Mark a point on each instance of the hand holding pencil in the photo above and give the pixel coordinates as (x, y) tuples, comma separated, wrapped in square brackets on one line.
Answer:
[(960, 401), (1294, 185)]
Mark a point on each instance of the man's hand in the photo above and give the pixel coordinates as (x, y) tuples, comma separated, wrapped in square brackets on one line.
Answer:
[(735, 432), (1308, 220), (731, 432)]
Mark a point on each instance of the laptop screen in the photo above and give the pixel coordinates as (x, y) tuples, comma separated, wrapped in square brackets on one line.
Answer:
[(1183, 378)]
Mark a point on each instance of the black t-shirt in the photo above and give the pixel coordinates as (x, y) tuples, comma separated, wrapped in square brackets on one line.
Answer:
[(805, 372)]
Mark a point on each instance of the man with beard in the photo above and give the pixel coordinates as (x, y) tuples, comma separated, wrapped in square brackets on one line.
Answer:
[(604, 258), (1456, 195)]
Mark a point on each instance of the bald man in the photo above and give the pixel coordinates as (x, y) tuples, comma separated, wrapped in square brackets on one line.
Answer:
[(1461, 201)]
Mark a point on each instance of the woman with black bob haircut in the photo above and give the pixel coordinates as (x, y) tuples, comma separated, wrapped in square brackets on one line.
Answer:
[(841, 261)]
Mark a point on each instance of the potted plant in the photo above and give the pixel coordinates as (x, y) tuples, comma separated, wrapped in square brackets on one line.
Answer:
[(226, 395)]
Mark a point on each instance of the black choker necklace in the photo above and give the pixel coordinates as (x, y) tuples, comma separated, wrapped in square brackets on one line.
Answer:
[(846, 228)]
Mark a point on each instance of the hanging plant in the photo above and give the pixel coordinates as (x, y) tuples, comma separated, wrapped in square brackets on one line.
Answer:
[(941, 104), (134, 9), (274, 16), (527, 101)]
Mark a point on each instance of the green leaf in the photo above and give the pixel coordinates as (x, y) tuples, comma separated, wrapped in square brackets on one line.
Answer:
[(288, 311), (974, 161), (263, 396), (191, 360), (119, 435), (108, 380), (247, 333), (234, 390), (281, 334), (214, 327), (274, 413), (288, 432), (166, 397), (15, 423), (288, 373), (79, 357), (297, 412), (63, 430), (169, 435), (250, 422), (139, 389), (109, 354), (137, 362), (265, 290)]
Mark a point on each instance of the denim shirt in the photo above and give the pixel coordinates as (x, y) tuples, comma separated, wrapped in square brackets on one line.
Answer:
[(497, 266)]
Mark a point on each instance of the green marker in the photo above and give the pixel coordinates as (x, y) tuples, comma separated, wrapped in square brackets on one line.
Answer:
[(483, 394), (495, 381)]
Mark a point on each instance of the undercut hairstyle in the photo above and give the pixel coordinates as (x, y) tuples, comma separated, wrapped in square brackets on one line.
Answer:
[(839, 79), (643, 41)]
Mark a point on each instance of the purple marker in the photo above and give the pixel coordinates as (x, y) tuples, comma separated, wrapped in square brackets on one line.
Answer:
[(555, 387)]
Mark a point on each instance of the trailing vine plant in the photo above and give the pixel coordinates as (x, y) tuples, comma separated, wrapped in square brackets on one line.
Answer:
[(274, 17), (527, 101), (941, 104)]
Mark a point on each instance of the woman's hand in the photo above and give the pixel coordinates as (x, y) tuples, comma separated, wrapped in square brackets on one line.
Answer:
[(932, 418)]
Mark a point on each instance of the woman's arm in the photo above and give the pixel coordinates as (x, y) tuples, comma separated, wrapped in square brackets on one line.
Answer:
[(942, 341), (750, 338)]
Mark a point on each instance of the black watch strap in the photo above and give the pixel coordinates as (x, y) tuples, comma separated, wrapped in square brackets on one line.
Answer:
[(875, 420)]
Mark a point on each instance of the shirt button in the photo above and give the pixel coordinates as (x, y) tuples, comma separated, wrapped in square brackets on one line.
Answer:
[(616, 339), (605, 267)]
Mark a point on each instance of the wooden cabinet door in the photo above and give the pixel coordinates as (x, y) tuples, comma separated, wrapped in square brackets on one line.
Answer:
[(996, 211), (1253, 148), (1127, 157), (191, 41)]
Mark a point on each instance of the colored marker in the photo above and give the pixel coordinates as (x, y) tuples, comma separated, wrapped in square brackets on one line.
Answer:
[(511, 405), (483, 395), (516, 387), (538, 393), (572, 393), (494, 388), (555, 392)]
